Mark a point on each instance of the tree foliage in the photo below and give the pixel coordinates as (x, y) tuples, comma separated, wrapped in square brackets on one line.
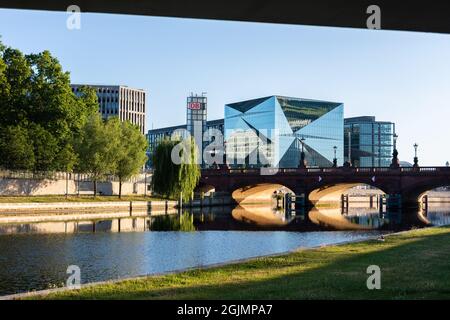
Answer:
[(131, 154), (37, 100), (97, 148), (44, 126), (171, 179)]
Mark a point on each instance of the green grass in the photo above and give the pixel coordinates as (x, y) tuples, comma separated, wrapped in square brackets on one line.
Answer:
[(414, 265), (81, 198)]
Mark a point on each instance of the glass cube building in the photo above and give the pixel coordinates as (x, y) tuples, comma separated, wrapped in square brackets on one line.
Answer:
[(367, 142), (270, 131)]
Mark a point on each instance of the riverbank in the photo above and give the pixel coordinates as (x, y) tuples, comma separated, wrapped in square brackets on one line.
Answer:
[(45, 209), (81, 198), (414, 265)]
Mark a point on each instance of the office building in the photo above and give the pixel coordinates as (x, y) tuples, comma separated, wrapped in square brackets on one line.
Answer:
[(120, 101), (271, 131), (367, 142), (155, 136)]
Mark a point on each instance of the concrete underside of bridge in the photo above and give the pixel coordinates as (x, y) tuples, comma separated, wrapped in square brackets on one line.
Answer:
[(260, 193), (329, 195)]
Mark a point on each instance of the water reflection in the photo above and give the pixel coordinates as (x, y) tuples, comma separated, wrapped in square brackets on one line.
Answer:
[(249, 218), (356, 219), (112, 225), (103, 250), (182, 222)]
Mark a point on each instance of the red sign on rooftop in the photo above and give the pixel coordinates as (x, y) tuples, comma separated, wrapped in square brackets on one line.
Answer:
[(194, 105)]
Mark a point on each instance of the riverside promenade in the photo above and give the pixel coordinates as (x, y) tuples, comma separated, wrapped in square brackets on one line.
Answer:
[(33, 212)]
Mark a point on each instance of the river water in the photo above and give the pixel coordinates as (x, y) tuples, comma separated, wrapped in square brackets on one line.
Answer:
[(36, 256)]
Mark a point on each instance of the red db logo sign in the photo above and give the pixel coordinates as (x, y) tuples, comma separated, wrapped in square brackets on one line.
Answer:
[(194, 105)]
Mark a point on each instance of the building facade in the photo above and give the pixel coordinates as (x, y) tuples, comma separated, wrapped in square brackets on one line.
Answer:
[(155, 136), (272, 131), (120, 101), (367, 142)]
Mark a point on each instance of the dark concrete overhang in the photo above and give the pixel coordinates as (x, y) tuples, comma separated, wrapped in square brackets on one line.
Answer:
[(427, 16)]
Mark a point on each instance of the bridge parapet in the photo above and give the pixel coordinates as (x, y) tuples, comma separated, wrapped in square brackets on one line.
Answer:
[(340, 170)]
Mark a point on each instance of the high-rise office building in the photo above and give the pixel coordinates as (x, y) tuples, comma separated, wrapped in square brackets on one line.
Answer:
[(368, 142), (120, 101), (196, 117), (272, 131)]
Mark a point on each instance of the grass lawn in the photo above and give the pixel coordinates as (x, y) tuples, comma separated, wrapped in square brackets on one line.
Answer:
[(81, 198), (414, 265)]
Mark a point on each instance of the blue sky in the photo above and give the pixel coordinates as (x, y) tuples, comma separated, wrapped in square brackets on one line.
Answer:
[(402, 77)]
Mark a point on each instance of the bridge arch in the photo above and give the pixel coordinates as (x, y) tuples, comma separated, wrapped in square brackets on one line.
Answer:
[(333, 193), (417, 189), (258, 193)]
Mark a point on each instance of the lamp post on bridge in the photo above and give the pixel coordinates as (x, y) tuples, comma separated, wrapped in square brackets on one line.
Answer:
[(335, 159), (302, 163), (416, 160), (348, 163), (395, 163)]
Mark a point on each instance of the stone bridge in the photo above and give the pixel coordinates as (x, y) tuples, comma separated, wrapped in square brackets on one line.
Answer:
[(328, 184)]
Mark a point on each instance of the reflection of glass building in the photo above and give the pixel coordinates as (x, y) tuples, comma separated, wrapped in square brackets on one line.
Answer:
[(371, 142), (268, 132)]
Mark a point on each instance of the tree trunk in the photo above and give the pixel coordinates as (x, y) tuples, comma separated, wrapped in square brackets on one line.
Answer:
[(120, 188)]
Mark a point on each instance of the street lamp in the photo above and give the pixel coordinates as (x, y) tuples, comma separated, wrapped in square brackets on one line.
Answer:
[(395, 163), (302, 163), (416, 160), (348, 163), (335, 159)]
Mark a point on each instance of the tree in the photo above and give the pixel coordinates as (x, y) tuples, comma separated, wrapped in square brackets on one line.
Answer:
[(35, 94), (131, 153), (171, 179), (44, 147), (16, 149), (98, 148)]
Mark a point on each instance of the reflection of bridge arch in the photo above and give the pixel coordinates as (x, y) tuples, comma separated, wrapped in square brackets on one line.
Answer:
[(332, 217)]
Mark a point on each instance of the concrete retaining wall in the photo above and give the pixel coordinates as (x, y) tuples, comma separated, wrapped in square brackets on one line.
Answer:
[(89, 206), (34, 187)]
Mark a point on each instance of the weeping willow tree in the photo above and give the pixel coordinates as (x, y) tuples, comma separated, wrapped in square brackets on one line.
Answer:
[(176, 171)]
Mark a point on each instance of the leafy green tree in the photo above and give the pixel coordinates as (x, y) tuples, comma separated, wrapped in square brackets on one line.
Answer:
[(35, 94), (16, 149), (131, 152), (171, 179), (45, 147), (98, 148)]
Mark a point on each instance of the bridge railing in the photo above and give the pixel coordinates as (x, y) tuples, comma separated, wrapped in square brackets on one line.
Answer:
[(327, 170)]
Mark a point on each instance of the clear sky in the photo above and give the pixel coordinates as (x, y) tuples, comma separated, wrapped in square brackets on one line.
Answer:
[(402, 77)]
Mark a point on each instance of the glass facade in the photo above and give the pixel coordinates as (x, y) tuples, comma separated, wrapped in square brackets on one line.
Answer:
[(269, 132), (155, 136), (370, 143)]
